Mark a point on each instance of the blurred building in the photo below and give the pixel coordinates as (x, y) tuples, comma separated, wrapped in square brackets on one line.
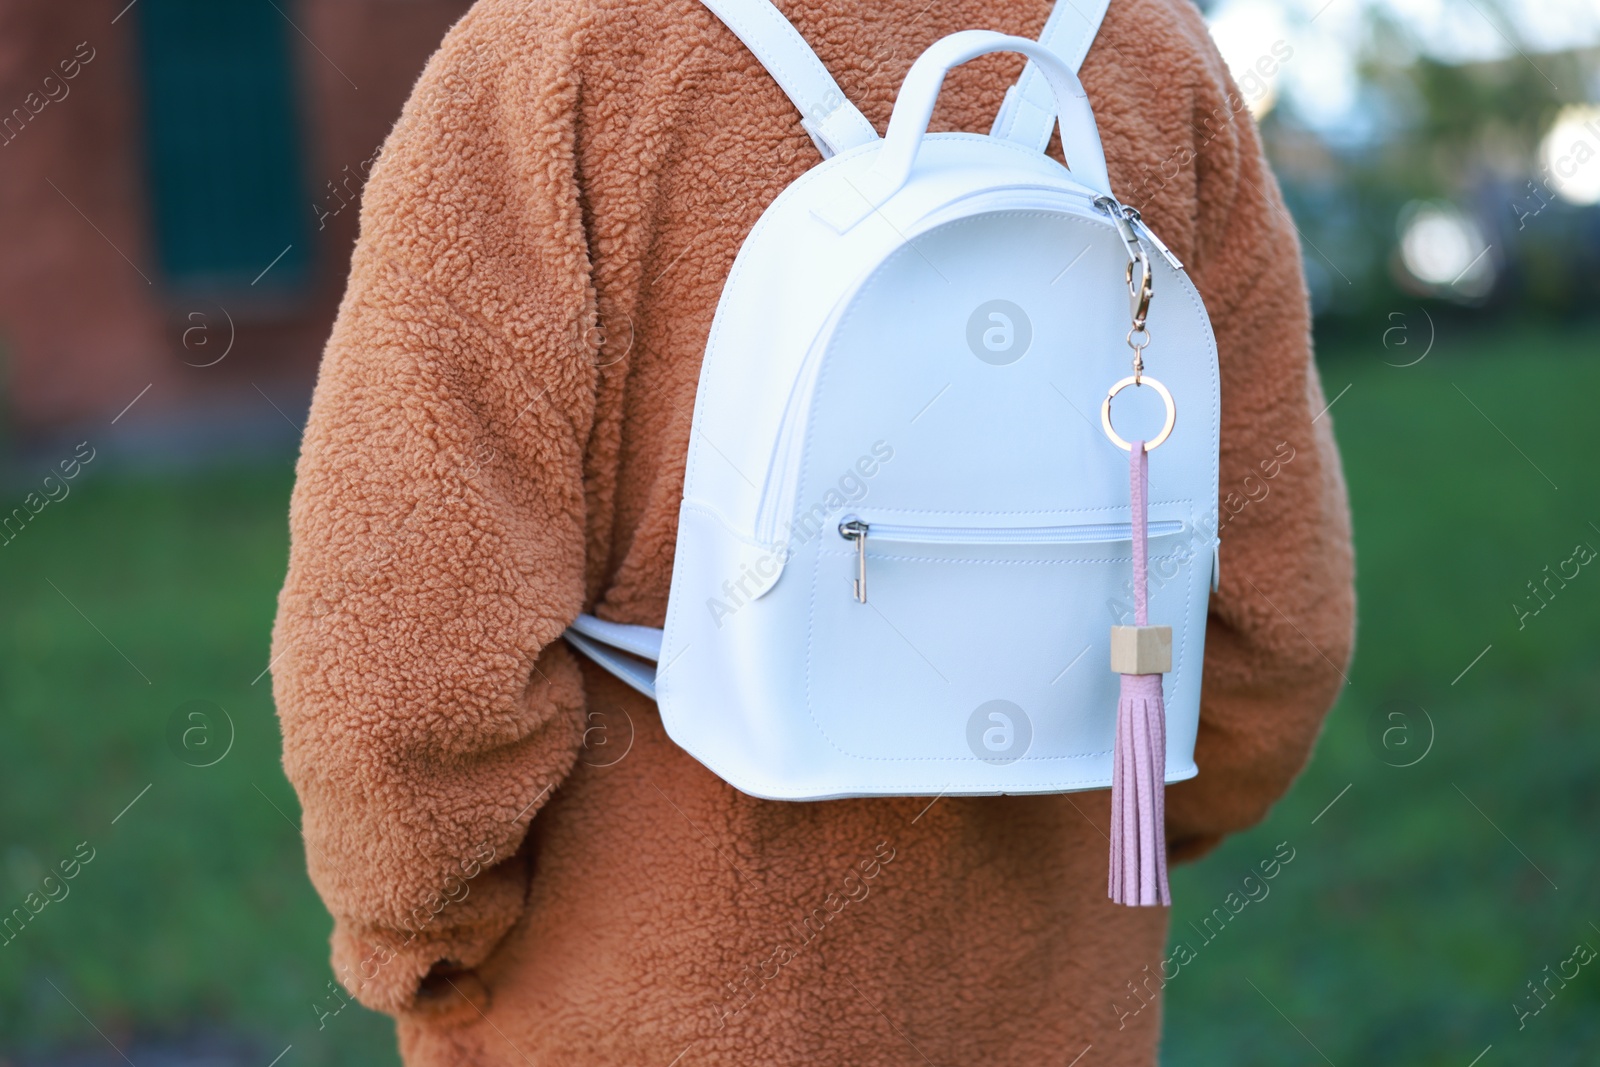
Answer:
[(178, 191)]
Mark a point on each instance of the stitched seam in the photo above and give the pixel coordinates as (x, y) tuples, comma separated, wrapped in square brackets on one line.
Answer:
[(817, 173), (874, 276), (1035, 511), (988, 562)]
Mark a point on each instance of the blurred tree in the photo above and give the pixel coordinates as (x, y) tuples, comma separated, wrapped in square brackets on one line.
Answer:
[(1435, 130)]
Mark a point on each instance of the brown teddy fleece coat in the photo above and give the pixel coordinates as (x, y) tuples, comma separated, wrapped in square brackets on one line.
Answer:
[(520, 865)]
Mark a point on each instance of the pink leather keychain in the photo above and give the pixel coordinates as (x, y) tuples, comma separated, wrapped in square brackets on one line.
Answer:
[(1142, 654)]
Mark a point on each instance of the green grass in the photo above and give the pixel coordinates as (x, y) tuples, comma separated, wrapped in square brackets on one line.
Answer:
[(1400, 934), (1408, 922), (195, 912)]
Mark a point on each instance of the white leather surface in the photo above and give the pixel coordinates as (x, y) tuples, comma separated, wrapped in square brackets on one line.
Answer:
[(804, 693), (641, 641), (640, 676), (913, 109), (843, 379), (1027, 114)]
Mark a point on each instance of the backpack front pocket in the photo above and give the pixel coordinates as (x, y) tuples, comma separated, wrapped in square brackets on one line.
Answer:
[(933, 640)]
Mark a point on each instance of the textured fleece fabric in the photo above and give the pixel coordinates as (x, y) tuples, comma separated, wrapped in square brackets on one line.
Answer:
[(521, 866)]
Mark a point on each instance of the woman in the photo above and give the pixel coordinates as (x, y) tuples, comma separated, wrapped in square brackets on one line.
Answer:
[(522, 868)]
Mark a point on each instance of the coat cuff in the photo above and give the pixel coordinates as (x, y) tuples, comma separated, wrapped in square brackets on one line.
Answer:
[(385, 969)]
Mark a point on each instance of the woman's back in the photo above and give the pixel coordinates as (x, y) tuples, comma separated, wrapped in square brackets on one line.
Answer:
[(497, 443)]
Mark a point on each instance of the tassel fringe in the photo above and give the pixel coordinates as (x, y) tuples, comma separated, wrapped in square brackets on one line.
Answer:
[(1138, 794), (1138, 777)]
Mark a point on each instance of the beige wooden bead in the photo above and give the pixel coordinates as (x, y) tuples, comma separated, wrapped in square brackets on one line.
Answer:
[(1141, 649)]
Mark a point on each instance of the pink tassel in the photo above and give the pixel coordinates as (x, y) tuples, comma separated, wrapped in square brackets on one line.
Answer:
[(1138, 873)]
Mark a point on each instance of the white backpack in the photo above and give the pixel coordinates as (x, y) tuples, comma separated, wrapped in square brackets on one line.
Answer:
[(904, 534)]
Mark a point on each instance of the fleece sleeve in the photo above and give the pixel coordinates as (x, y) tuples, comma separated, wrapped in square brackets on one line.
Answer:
[(427, 705), (1281, 626)]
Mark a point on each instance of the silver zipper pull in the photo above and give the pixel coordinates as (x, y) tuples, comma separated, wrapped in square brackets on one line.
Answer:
[(1122, 218), (856, 530), (1150, 235)]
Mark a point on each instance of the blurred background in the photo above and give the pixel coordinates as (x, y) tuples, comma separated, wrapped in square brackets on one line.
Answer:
[(178, 191)]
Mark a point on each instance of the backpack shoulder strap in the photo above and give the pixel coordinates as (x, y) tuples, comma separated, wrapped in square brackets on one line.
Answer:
[(599, 640), (833, 122), (1028, 115)]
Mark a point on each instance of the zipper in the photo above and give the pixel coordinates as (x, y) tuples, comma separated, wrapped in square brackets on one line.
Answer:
[(1129, 224), (856, 532), (782, 474), (1150, 235)]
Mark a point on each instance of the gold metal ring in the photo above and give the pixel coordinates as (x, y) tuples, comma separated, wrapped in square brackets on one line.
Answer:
[(1161, 391)]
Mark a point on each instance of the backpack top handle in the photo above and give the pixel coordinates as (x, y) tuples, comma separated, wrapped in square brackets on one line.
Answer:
[(836, 125), (913, 109), (1027, 116)]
